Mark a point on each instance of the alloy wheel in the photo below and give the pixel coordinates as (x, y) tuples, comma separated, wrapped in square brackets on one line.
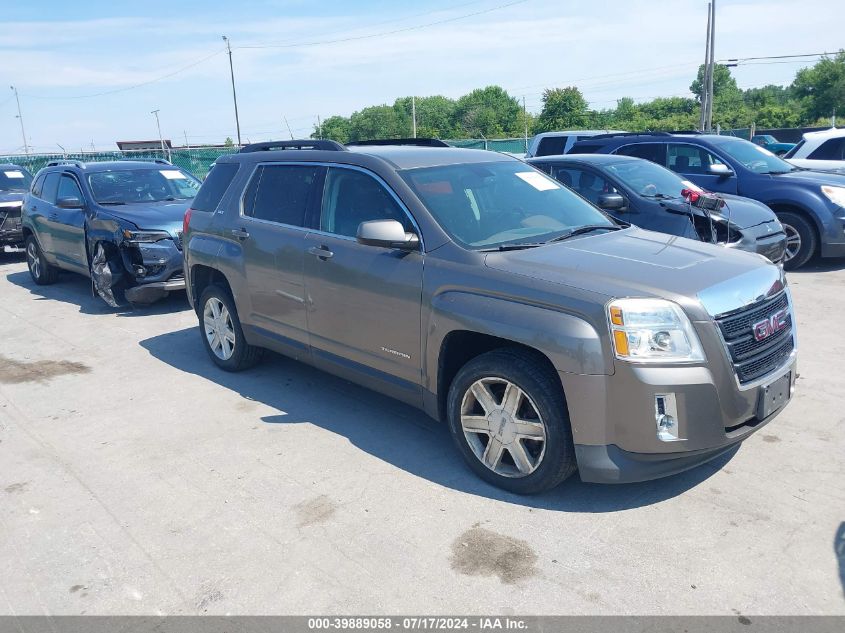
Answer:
[(33, 260), (503, 427), (219, 329), (793, 242)]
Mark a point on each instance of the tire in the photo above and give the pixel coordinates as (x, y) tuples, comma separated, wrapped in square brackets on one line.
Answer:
[(525, 465), (41, 272), (801, 234), (108, 276), (230, 352)]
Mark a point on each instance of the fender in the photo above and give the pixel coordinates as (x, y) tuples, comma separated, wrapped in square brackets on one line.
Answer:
[(571, 343), (802, 200)]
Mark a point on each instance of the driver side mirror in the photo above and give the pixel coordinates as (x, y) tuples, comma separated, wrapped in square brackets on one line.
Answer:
[(387, 234), (70, 202), (723, 171), (612, 202)]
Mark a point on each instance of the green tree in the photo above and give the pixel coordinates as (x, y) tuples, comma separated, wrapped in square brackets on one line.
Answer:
[(228, 142), (723, 83), (335, 128), (435, 115), (563, 109), (821, 87), (377, 122), (489, 112)]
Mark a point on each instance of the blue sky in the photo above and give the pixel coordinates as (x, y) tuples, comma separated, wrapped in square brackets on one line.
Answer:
[(58, 54)]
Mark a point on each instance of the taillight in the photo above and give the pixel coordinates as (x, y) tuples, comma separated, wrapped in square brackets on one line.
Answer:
[(186, 221)]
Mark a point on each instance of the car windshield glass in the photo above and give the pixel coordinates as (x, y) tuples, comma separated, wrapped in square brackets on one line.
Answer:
[(753, 157), (142, 185), (650, 180), (14, 179), (484, 205)]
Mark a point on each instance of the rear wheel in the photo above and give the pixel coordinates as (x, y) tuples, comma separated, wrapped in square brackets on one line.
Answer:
[(41, 272), (800, 239), (222, 334), (508, 418)]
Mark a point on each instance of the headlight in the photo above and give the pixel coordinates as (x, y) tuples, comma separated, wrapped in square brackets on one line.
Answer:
[(835, 194), (10, 203), (145, 237), (651, 331)]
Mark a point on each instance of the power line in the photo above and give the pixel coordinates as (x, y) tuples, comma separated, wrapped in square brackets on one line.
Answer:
[(745, 59), (132, 87), (386, 33)]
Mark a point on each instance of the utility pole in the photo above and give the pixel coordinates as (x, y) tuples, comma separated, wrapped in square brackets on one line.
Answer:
[(287, 125), (414, 114), (164, 152), (525, 120), (234, 94), (20, 118), (187, 145), (702, 119), (712, 65), (319, 128)]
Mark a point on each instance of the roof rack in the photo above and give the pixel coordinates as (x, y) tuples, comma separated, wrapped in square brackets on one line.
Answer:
[(66, 161), (159, 161), (418, 142), (618, 134), (267, 146), (686, 132)]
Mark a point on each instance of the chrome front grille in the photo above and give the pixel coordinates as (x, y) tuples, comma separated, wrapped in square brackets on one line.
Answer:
[(10, 219), (753, 358)]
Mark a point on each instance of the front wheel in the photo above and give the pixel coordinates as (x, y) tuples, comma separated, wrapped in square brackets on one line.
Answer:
[(800, 239), (41, 272), (508, 417), (222, 334)]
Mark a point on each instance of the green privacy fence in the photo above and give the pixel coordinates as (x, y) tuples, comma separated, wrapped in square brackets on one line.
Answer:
[(198, 160)]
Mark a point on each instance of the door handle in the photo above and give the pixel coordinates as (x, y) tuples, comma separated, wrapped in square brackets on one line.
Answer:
[(241, 234), (54, 216), (322, 252)]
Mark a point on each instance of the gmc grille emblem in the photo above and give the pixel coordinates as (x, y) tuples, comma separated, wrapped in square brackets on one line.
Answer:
[(775, 323)]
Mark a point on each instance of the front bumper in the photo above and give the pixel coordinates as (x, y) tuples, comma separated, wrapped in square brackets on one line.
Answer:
[(151, 292), (763, 241), (11, 230), (614, 426)]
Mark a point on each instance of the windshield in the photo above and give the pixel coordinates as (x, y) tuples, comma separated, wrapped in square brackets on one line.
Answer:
[(125, 186), (753, 157), (649, 179), (483, 205), (14, 179)]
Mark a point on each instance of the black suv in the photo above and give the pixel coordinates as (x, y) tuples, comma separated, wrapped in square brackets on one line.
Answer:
[(117, 222), (473, 286), (810, 205), (14, 182)]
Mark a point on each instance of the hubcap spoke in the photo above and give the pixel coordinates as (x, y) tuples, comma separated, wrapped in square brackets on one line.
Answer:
[(511, 399), (520, 457), (530, 430), (475, 424), (484, 397), (493, 453)]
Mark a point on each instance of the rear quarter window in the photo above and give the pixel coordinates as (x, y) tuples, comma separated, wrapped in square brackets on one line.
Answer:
[(831, 149), (214, 187), (552, 146)]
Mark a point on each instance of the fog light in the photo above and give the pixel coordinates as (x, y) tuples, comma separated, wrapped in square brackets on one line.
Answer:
[(140, 271), (666, 417)]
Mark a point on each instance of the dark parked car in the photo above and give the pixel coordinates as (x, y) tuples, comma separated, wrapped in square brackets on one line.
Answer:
[(772, 144), (473, 286), (14, 182), (810, 205), (648, 195), (120, 223)]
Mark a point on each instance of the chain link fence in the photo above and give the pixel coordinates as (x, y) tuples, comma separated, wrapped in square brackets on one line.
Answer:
[(198, 160)]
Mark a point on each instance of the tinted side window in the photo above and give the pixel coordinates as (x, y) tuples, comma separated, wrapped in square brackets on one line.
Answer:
[(831, 149), (37, 186), (655, 152), (690, 159), (68, 188), (552, 145), (280, 193), (214, 187), (351, 197), (585, 182), (51, 184)]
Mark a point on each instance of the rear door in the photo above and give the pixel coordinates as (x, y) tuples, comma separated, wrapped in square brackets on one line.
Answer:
[(693, 163), (271, 230), (43, 213), (364, 301), (67, 226)]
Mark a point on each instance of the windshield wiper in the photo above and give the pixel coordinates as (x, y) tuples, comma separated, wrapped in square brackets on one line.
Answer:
[(111, 202), (587, 228), (660, 196), (513, 247)]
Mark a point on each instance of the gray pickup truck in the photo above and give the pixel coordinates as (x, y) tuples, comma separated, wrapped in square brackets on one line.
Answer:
[(549, 336)]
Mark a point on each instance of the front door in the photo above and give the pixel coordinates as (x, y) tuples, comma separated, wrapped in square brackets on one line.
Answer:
[(67, 227), (364, 301), (693, 162), (271, 231)]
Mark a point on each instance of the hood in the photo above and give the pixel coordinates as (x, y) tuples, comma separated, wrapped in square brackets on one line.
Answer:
[(813, 178), (819, 165), (639, 263), (162, 216), (12, 196), (744, 212)]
